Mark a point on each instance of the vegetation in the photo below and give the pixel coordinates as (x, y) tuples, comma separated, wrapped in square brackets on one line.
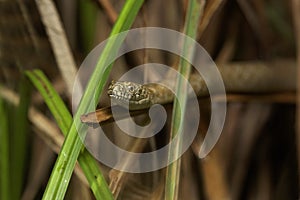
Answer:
[(255, 158)]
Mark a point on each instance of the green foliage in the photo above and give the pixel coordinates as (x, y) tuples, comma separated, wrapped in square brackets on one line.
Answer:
[(72, 146), (173, 170), (4, 153), (64, 120), (20, 139)]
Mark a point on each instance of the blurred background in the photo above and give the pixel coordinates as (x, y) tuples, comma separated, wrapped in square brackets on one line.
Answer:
[(256, 155)]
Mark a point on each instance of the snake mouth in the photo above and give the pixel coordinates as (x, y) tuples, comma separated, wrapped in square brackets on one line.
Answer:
[(129, 94)]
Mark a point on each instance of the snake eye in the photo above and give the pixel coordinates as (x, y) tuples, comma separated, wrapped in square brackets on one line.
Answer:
[(130, 88)]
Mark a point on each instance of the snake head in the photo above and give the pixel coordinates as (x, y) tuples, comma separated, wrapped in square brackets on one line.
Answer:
[(134, 95)]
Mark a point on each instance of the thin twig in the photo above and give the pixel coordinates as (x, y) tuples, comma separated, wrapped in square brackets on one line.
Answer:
[(104, 115), (284, 98), (110, 11), (29, 25), (296, 16), (117, 178), (209, 11), (229, 47), (251, 17)]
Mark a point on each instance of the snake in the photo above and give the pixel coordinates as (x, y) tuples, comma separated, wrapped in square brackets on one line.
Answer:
[(240, 77)]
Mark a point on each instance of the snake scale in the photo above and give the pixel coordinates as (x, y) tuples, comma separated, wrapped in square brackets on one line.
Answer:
[(239, 77), (243, 77)]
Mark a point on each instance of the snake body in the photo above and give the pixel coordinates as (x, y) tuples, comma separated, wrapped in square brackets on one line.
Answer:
[(255, 77)]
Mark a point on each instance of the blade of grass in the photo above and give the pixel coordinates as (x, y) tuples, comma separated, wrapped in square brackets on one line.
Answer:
[(195, 8), (87, 19), (64, 120), (65, 162), (52, 99), (19, 141), (4, 154)]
